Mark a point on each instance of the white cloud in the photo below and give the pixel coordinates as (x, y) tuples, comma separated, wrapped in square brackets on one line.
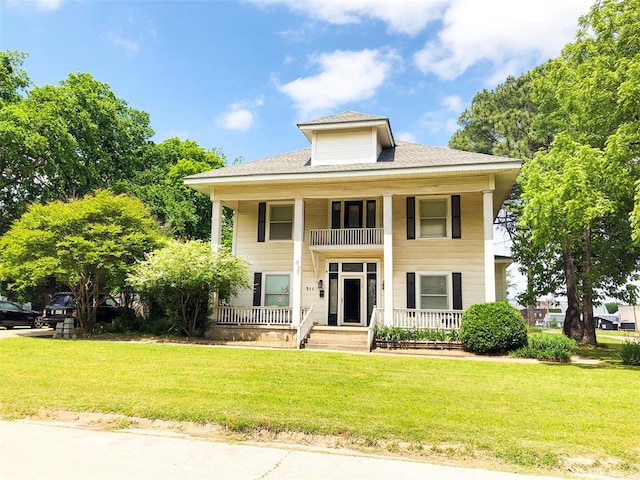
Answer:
[(119, 41), (344, 77), (401, 16), (43, 5), (453, 103), (510, 35), (406, 137), (445, 119), (239, 116)]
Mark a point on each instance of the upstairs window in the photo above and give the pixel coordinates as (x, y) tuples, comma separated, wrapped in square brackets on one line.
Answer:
[(433, 218), (280, 222)]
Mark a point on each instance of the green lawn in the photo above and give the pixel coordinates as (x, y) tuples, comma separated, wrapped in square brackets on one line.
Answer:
[(529, 414)]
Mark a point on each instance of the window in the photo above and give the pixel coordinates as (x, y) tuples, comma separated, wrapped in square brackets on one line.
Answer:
[(276, 290), (434, 292), (353, 214), (9, 306), (280, 222), (432, 218)]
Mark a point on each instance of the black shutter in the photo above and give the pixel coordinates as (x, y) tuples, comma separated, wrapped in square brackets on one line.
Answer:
[(456, 278), (456, 226), (335, 215), (411, 218), (262, 220), (411, 290), (257, 288)]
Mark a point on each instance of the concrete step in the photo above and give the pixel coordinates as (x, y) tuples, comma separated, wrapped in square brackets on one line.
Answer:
[(337, 338)]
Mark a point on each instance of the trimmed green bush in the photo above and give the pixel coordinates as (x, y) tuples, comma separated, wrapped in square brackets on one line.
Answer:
[(400, 334), (557, 348), (630, 353), (493, 328)]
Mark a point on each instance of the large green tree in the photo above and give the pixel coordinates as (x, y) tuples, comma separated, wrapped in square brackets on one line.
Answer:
[(62, 142), (591, 93), (507, 121), (13, 78), (180, 209), (88, 245), (181, 277)]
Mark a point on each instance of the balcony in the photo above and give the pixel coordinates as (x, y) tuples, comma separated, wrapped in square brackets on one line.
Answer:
[(346, 237)]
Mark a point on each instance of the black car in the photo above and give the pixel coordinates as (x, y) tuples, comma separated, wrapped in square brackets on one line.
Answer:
[(13, 315), (63, 305)]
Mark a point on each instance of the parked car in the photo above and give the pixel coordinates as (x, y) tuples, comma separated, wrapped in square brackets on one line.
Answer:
[(13, 315), (63, 305)]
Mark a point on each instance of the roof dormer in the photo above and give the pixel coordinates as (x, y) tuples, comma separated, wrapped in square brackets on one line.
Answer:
[(347, 138)]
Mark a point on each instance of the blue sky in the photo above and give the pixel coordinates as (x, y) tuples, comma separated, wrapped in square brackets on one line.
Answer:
[(239, 75)]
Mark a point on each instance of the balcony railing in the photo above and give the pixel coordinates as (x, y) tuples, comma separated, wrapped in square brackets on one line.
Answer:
[(346, 237)]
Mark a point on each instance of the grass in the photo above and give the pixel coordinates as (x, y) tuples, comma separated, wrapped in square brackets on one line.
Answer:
[(534, 415)]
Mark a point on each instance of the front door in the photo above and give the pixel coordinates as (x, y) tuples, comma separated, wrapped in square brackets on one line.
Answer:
[(352, 301)]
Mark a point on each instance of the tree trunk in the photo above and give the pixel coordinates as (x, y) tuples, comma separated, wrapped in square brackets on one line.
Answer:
[(589, 329), (572, 326), (531, 307)]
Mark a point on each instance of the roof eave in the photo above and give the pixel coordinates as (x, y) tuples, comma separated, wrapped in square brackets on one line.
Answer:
[(505, 167), (382, 125)]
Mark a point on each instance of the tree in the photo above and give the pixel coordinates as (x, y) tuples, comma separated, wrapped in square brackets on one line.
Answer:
[(591, 93), (180, 277), (612, 307), (507, 121), (13, 78), (562, 205), (504, 121), (180, 209), (89, 245), (62, 142)]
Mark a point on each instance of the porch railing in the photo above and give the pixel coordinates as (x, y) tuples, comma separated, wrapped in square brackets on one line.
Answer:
[(225, 315), (253, 315), (416, 318), (376, 319), (305, 325), (346, 237)]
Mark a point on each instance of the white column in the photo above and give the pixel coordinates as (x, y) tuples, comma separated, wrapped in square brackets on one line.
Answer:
[(296, 277), (387, 211), (216, 225), (489, 258)]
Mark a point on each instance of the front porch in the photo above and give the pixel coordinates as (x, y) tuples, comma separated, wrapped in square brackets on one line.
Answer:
[(275, 326)]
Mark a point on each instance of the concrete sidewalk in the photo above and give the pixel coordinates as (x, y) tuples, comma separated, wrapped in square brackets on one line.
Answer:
[(31, 450)]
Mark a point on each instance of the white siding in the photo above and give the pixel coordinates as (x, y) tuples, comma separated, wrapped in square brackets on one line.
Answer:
[(463, 255), (354, 146)]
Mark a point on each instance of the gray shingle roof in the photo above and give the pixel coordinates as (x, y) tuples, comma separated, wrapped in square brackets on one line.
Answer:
[(403, 155), (344, 117)]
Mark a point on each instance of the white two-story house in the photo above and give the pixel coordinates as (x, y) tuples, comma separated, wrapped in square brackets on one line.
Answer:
[(360, 226)]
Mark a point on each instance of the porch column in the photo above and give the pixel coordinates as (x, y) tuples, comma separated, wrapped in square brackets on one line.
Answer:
[(489, 259), (216, 225), (387, 212), (296, 277)]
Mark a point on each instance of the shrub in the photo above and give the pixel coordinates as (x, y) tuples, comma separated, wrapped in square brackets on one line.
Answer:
[(630, 353), (493, 328), (548, 347), (400, 334)]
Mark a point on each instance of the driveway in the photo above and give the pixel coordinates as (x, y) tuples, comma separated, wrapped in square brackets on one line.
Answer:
[(26, 332), (31, 450)]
